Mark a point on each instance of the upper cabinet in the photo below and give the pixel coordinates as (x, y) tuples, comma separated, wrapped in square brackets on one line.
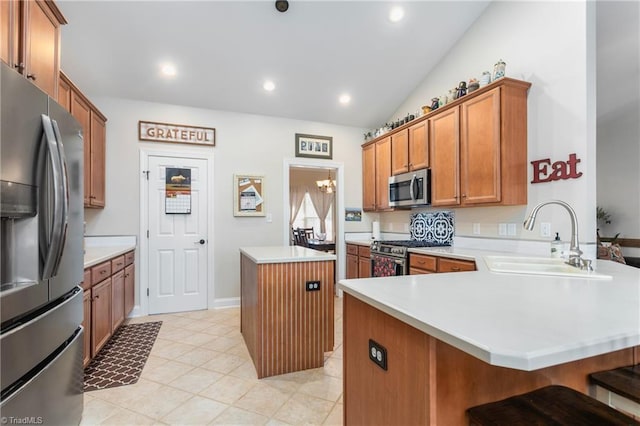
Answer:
[(94, 131), (479, 148), (410, 149), (31, 40), (376, 170)]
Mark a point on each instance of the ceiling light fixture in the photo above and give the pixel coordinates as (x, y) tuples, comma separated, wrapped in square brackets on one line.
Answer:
[(344, 99), (269, 86), (168, 70), (396, 14), (328, 185)]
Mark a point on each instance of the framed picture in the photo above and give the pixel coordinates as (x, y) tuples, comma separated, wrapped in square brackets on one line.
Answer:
[(314, 146), (352, 215), (248, 193)]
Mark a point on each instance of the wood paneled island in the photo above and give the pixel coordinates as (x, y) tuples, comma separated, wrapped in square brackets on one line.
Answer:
[(286, 307)]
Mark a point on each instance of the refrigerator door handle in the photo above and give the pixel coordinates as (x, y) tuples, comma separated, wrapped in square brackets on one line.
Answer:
[(54, 237), (64, 195)]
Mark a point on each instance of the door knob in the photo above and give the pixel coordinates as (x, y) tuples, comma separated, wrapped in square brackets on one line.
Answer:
[(202, 241)]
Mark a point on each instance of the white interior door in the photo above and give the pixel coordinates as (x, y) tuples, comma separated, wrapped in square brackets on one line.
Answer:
[(178, 242)]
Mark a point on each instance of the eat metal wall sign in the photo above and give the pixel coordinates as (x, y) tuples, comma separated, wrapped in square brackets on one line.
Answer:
[(176, 133), (546, 171)]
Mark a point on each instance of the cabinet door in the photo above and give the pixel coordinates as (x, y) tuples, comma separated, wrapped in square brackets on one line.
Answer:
[(100, 315), (423, 263), (418, 146), (455, 265), (480, 149), (64, 92), (364, 267), (129, 289), (117, 300), (98, 158), (82, 112), (352, 266), (444, 136), (369, 177), (400, 152), (86, 324), (9, 34), (383, 172), (41, 46)]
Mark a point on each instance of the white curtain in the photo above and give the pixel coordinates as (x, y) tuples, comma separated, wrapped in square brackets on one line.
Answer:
[(322, 203), (296, 196)]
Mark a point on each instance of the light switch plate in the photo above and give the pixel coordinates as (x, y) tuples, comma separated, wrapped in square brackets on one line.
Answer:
[(545, 229), (476, 229), (502, 229), (511, 229)]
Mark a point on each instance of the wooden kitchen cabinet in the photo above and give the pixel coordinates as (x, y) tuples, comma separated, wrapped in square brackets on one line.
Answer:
[(31, 40), (100, 315), (409, 149), (129, 289), (479, 148), (86, 325), (352, 261), (425, 264), (117, 300), (358, 261), (94, 131), (376, 170)]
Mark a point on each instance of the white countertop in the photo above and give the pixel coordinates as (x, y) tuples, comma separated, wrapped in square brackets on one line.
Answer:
[(359, 242), (95, 255), (518, 321), (285, 254)]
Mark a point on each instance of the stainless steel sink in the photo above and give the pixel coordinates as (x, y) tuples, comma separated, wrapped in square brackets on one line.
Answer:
[(538, 266)]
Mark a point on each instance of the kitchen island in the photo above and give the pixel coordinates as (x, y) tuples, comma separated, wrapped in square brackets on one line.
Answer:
[(458, 340), (286, 304)]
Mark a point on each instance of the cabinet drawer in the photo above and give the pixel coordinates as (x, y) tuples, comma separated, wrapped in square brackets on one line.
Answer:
[(352, 249), (117, 264), (100, 272), (364, 251), (454, 265), (428, 263), (129, 258), (86, 282)]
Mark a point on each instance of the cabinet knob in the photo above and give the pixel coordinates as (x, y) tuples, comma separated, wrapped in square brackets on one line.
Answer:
[(19, 67), (31, 77), (97, 297), (455, 269), (464, 195)]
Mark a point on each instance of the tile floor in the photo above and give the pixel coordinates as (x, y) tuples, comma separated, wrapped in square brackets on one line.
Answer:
[(199, 372)]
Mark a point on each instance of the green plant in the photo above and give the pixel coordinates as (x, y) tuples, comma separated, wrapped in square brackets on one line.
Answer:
[(602, 215)]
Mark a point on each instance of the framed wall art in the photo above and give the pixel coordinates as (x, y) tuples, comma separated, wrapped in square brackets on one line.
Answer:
[(314, 146), (248, 195)]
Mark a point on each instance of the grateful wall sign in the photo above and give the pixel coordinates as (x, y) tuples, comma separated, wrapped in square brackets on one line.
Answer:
[(176, 133)]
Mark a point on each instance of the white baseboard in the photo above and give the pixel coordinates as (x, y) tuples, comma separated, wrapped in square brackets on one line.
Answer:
[(229, 302)]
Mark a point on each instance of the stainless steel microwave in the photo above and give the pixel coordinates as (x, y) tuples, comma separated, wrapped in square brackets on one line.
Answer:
[(410, 189)]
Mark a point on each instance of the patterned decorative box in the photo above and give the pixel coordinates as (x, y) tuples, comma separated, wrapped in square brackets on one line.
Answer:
[(434, 227)]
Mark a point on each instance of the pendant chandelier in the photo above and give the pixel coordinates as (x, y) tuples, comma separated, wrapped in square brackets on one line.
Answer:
[(327, 186)]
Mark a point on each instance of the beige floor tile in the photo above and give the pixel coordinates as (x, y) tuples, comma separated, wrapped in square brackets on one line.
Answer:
[(196, 325), (333, 367), (97, 411), (223, 363), (167, 372), (228, 389), (172, 350), (304, 409), (195, 411), (216, 329), (238, 416), (126, 396), (197, 356), (196, 380), (171, 334), (153, 362), (245, 371), (240, 350), (288, 384), (221, 343), (124, 417), (194, 338), (274, 422), (335, 417), (263, 399), (161, 402), (326, 387), (337, 353)]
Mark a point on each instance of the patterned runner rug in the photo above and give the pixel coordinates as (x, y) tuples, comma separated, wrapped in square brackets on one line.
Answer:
[(122, 359)]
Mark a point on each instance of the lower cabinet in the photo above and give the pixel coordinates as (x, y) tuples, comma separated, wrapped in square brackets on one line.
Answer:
[(109, 296), (424, 264), (358, 261)]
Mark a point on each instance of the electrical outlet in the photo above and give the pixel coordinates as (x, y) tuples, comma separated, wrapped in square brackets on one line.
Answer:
[(312, 286), (378, 354), (545, 229), (511, 229), (476, 229), (502, 229)]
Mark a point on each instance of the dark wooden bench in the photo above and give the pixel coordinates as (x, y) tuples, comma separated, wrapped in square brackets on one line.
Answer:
[(624, 382), (551, 405)]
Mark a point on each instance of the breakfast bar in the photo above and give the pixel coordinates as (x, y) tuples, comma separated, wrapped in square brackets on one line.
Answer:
[(456, 340), (286, 315)]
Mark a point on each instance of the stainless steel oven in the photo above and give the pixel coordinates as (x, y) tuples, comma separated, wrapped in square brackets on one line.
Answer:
[(391, 258), (410, 189)]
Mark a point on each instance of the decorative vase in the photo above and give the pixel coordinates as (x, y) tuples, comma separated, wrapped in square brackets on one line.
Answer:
[(435, 103), (485, 79), (426, 109), (462, 89), (473, 85), (498, 70)]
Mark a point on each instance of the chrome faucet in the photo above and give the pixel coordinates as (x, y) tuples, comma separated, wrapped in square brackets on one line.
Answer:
[(574, 249)]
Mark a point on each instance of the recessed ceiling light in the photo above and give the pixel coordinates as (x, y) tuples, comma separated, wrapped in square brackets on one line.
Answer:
[(345, 99), (396, 14), (269, 86), (168, 70)]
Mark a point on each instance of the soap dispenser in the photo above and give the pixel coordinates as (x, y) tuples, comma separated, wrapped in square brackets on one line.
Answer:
[(556, 246)]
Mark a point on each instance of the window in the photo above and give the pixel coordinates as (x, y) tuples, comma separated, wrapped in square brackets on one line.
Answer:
[(308, 217)]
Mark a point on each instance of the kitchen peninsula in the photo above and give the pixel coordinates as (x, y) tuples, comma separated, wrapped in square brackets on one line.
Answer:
[(286, 307), (458, 340)]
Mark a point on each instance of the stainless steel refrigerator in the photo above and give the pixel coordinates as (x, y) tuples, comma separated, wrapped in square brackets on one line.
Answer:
[(41, 232)]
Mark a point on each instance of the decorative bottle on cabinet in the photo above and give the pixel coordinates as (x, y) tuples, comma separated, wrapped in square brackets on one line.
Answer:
[(498, 70)]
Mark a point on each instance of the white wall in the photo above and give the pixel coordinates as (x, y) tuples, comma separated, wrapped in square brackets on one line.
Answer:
[(245, 143), (544, 43)]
